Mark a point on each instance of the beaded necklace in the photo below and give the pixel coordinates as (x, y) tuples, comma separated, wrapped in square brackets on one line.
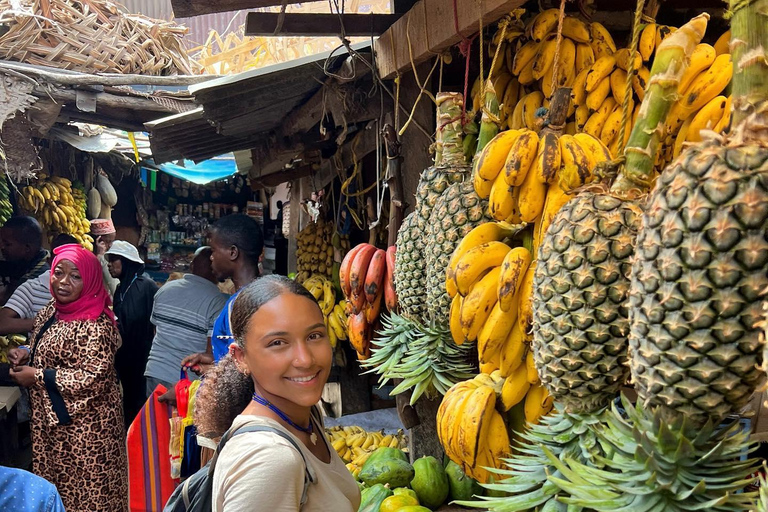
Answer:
[(309, 430)]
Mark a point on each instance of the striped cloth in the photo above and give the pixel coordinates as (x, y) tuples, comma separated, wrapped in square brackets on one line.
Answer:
[(149, 463), (31, 296)]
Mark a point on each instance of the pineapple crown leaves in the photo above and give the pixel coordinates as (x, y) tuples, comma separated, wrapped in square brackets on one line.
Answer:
[(654, 465), (423, 357)]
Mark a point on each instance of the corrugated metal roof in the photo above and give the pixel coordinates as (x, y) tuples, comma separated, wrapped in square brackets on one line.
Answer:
[(238, 110)]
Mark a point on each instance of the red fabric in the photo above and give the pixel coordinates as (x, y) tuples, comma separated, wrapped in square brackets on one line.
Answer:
[(149, 459), (94, 300)]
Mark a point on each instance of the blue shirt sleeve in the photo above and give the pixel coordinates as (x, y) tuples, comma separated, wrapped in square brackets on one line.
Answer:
[(222, 338)]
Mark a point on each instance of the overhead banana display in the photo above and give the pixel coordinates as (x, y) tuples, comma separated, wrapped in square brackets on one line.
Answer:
[(334, 313)]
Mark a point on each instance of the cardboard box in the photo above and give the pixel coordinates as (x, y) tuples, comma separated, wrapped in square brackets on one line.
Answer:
[(8, 397)]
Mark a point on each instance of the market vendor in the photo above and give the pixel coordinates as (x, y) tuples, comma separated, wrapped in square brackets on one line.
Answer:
[(22, 246), (103, 234), (237, 245)]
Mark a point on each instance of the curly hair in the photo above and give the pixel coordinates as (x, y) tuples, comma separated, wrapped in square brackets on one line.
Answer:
[(226, 391)]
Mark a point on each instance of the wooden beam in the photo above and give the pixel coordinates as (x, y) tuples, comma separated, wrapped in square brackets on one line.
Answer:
[(116, 79), (189, 8), (105, 100), (432, 29), (301, 24)]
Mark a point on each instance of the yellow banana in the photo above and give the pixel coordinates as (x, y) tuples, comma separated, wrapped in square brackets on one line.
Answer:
[(706, 118), (538, 403), (487, 232), (726, 119), (525, 308), (647, 42), (532, 375), (594, 125), (547, 87), (596, 98), (574, 170), (494, 333), (576, 29), (473, 424), (640, 82), (619, 85), (512, 351), (582, 117), (599, 70), (482, 186), (682, 134), (46, 193), (545, 57), (494, 154), (708, 84), (566, 69), (477, 305), (476, 262), (500, 82), (556, 199), (579, 91), (612, 125), (530, 200), (514, 217), (498, 440), (723, 43), (340, 445), (515, 387), (513, 268), (585, 57), (454, 320), (521, 156), (595, 150), (547, 158), (663, 32), (510, 97), (515, 122), (526, 76), (623, 57), (544, 23), (701, 59), (524, 57), (601, 35), (530, 104), (501, 202)]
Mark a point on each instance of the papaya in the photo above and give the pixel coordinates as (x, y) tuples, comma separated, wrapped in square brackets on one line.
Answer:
[(462, 487), (430, 482), (385, 453), (395, 503), (404, 491), (372, 497), (395, 472), (414, 508)]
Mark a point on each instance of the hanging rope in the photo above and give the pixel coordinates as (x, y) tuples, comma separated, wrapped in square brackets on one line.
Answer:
[(625, 114), (556, 65)]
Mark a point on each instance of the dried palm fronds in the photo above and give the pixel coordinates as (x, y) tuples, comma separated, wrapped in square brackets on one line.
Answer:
[(90, 36)]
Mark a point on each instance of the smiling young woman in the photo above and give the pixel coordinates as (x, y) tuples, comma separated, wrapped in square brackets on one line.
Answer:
[(273, 376)]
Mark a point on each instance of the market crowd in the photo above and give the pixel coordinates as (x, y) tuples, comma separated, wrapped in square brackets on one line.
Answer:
[(102, 336)]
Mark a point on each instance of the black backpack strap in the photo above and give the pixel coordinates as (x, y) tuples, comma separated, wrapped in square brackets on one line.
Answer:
[(309, 477)]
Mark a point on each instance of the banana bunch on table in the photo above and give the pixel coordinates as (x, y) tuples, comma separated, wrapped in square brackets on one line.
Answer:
[(354, 444)]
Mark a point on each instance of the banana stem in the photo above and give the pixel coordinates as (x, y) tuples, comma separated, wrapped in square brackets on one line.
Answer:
[(489, 123), (749, 47), (671, 61), (449, 150)]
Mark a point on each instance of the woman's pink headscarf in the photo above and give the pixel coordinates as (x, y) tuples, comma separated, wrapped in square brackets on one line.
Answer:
[(94, 300)]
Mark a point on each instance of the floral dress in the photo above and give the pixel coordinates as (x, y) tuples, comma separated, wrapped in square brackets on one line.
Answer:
[(78, 437)]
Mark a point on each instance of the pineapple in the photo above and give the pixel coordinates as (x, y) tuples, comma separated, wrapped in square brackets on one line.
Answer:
[(410, 262), (456, 213), (581, 284)]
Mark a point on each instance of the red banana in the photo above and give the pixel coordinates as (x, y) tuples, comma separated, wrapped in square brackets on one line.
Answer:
[(373, 308), (374, 278), (390, 296), (359, 267), (346, 264)]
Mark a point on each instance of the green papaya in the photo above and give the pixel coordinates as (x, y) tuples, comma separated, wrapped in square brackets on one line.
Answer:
[(395, 472), (404, 491), (414, 508), (462, 487), (385, 453), (430, 482), (372, 497), (396, 503)]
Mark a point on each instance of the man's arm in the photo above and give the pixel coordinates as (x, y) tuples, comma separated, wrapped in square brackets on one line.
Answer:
[(11, 323)]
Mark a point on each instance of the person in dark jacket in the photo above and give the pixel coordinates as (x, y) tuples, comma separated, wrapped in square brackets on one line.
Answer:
[(133, 301)]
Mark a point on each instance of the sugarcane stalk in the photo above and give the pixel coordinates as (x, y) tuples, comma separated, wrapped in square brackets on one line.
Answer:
[(749, 50), (449, 150), (489, 122), (669, 64)]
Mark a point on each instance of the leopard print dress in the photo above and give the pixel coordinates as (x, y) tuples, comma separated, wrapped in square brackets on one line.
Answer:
[(85, 459)]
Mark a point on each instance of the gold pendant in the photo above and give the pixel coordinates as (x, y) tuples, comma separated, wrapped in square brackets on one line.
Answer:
[(313, 438)]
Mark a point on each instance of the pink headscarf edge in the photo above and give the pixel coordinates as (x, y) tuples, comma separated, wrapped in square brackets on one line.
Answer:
[(94, 299)]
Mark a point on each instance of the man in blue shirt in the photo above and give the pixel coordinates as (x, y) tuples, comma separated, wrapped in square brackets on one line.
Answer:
[(237, 244), (21, 491)]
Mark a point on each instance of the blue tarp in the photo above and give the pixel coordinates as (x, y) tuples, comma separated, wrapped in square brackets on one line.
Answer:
[(202, 173)]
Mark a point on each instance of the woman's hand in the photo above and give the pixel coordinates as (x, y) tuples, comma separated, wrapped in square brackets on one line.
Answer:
[(198, 363), (18, 356), (23, 376)]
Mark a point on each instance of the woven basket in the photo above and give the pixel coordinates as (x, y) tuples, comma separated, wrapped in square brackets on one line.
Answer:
[(91, 36)]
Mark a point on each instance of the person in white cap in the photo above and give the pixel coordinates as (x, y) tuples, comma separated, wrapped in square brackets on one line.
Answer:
[(133, 301), (103, 234)]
